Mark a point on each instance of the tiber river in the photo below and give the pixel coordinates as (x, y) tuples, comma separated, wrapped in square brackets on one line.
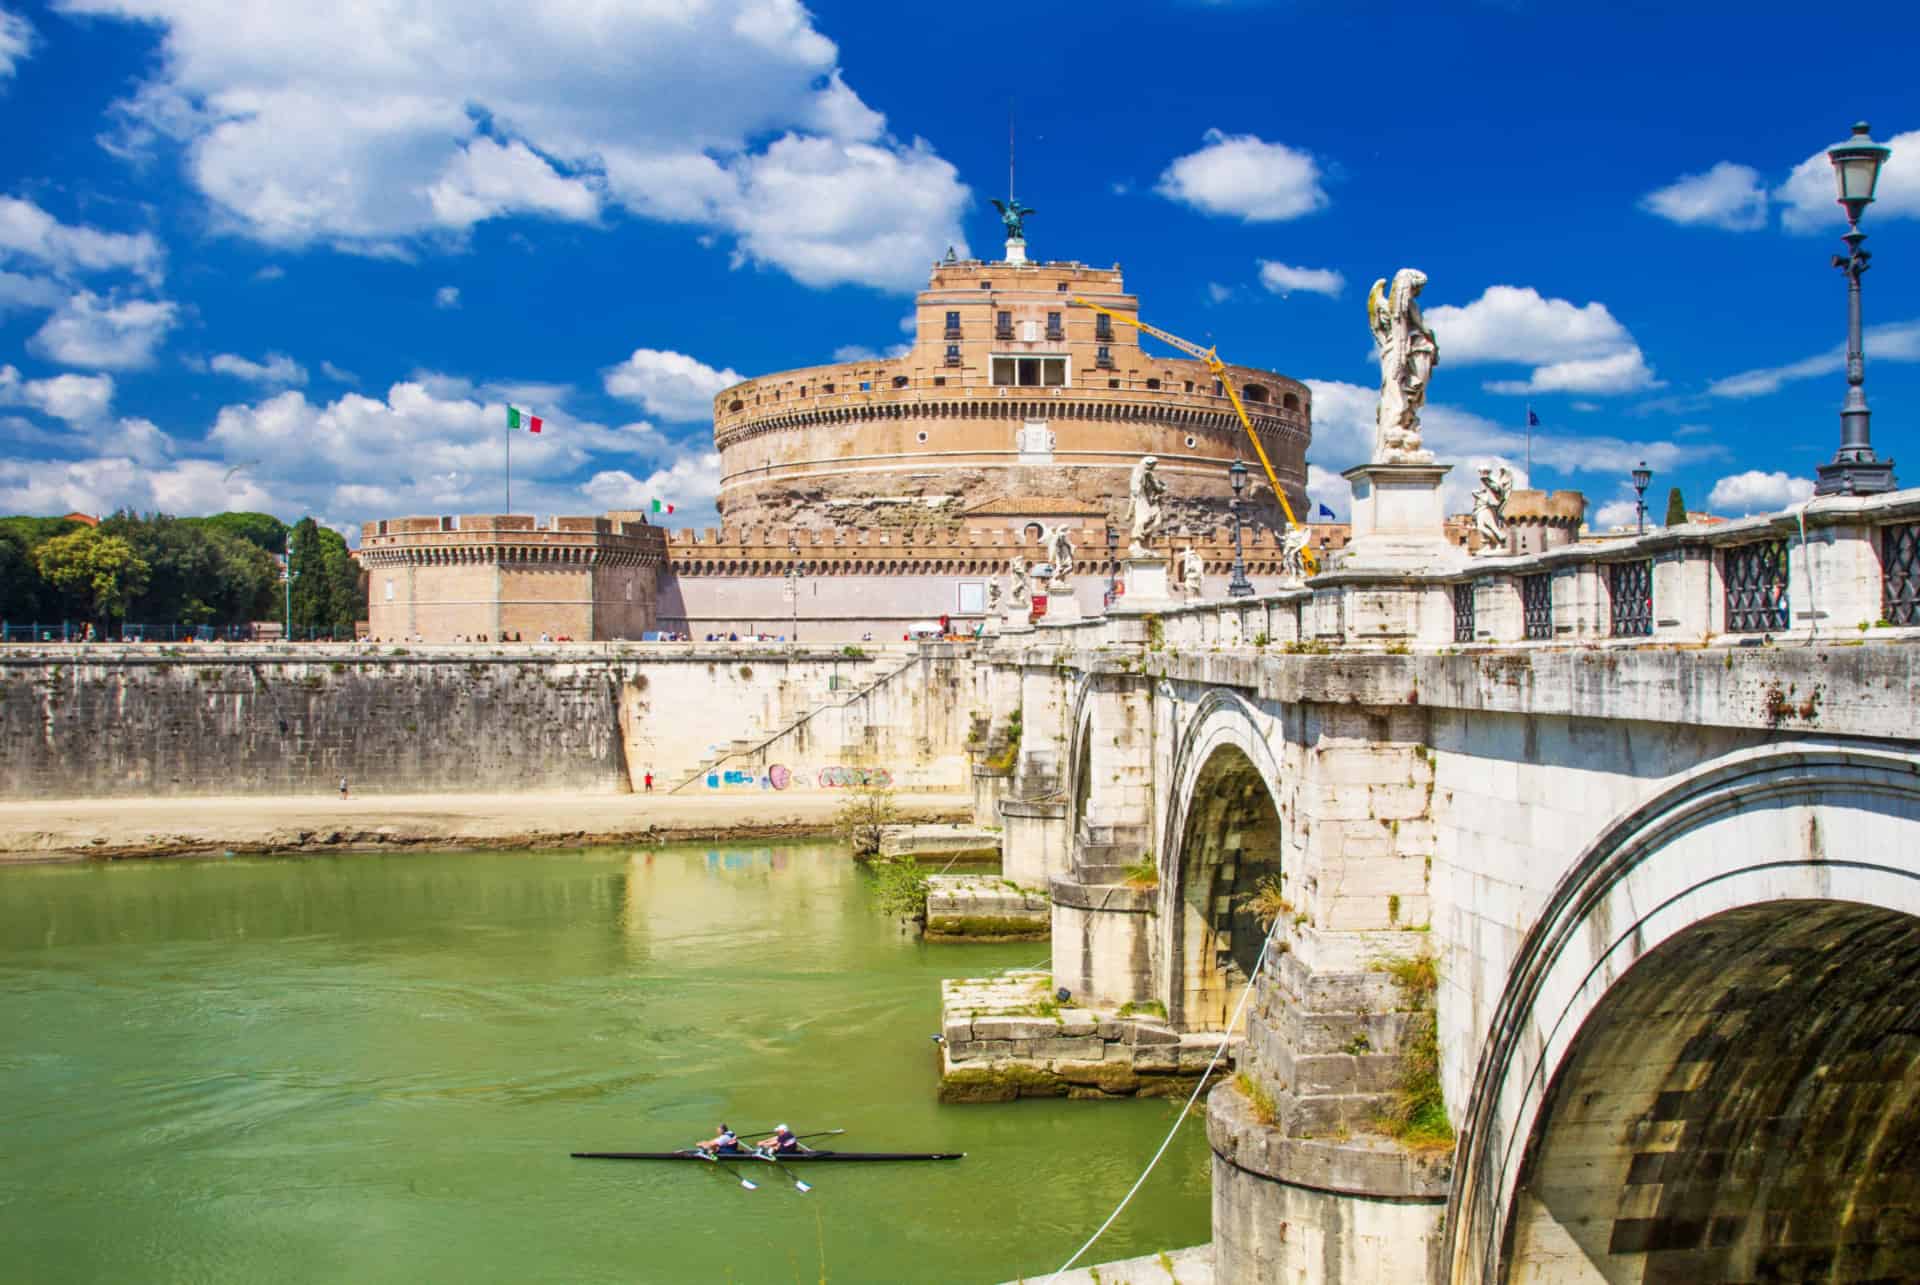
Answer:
[(371, 1068)]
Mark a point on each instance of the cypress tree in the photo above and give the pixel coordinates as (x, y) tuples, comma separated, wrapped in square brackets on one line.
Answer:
[(1676, 508)]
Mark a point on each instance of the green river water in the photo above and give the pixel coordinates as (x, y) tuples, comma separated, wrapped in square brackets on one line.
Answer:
[(371, 1068)]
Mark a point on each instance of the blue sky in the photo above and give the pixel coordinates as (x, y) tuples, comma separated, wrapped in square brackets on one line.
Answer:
[(298, 257)]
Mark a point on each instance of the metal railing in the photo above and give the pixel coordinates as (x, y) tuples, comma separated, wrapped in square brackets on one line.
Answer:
[(1536, 605), (1630, 595), (1756, 582), (1463, 625), (1900, 573)]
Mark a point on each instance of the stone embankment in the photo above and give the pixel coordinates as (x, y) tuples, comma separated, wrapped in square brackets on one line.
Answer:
[(1010, 1037), (82, 829)]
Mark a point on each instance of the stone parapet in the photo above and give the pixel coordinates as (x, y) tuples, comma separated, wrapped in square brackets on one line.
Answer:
[(975, 907)]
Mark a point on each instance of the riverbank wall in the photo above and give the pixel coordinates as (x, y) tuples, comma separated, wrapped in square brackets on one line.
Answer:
[(111, 722)]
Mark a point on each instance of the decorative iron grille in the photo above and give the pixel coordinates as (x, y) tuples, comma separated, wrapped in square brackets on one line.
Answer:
[(1757, 587), (1630, 585), (1900, 574), (1536, 604), (1463, 612)]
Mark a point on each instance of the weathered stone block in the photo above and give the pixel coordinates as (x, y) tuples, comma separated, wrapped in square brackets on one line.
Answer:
[(1089, 1048)]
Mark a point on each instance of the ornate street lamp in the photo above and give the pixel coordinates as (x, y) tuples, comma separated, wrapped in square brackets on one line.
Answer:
[(795, 569), (1113, 563), (1853, 469), (1238, 586), (1641, 477)]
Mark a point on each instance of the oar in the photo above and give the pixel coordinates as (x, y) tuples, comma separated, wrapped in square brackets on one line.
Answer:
[(748, 1183), (768, 1133), (792, 1177)]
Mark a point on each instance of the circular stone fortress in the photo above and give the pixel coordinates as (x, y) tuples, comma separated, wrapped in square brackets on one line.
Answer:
[(1010, 392)]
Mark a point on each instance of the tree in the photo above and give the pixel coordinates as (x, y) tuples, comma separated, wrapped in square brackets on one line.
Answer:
[(200, 574), (104, 568), (24, 596), (346, 596), (312, 600), (262, 530), (1676, 509), (864, 815)]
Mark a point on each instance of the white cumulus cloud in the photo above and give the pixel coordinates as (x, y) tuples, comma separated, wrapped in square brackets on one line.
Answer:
[(29, 233), (1572, 348), (22, 293), (102, 334), (374, 125), (78, 399), (671, 385), (1808, 194), (690, 484), (16, 42), (278, 369), (1284, 280), (1756, 492), (1243, 176), (1727, 196), (447, 297), (1897, 341)]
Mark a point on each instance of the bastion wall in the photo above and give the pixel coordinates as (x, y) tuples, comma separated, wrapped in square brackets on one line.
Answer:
[(91, 721)]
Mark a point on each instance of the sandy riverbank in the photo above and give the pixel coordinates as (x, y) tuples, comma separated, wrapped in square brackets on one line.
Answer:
[(80, 829)]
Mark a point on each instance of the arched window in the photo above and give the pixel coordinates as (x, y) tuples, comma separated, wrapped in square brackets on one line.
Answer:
[(1034, 531), (1290, 401), (1255, 392)]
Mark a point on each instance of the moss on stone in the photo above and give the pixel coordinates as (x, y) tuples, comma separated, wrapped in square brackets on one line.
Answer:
[(988, 928), (1000, 1084)]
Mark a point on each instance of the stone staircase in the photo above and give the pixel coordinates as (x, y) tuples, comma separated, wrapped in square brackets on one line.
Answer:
[(742, 748)]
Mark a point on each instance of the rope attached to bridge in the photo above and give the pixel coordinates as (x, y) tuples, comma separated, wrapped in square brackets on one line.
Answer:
[(1232, 1022)]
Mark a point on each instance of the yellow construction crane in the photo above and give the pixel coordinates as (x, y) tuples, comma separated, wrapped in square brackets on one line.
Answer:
[(1219, 370)]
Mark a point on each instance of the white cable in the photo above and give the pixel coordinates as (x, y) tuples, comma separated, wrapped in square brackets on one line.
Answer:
[(1181, 1119)]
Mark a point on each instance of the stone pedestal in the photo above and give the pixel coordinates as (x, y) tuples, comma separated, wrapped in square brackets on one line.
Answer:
[(1062, 607), (1016, 249), (1398, 523), (1146, 585)]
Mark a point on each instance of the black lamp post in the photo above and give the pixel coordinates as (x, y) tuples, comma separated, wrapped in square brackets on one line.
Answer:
[(794, 572), (1641, 477), (1113, 563), (1853, 469), (1238, 586)]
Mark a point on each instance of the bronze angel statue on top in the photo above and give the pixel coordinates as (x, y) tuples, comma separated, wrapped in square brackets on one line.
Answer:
[(1014, 215)]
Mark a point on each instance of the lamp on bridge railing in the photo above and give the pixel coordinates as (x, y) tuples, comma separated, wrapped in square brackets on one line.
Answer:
[(1238, 586), (1853, 469), (1641, 477), (1113, 564)]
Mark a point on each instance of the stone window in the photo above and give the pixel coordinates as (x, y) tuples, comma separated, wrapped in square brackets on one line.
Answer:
[(1463, 624), (826, 388), (1103, 357), (940, 381), (1030, 372), (986, 285), (1192, 441), (1290, 401), (1062, 287), (1900, 574), (735, 404), (899, 381), (1536, 605), (1153, 385), (920, 437), (953, 354), (1255, 392), (1003, 325), (866, 386), (1756, 582), (1102, 326), (1034, 532), (1189, 385), (1630, 598), (1113, 383), (953, 325), (1054, 330), (389, 589)]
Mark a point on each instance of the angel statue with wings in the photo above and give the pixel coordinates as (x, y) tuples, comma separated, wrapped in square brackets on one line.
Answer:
[(1014, 215), (1408, 354)]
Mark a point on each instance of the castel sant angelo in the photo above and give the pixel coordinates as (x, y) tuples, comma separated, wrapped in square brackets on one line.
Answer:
[(860, 498)]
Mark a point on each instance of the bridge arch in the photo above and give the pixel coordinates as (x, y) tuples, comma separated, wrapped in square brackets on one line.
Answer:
[(1223, 836), (1706, 1061)]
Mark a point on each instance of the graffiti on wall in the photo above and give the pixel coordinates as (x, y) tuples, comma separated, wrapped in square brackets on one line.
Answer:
[(781, 777)]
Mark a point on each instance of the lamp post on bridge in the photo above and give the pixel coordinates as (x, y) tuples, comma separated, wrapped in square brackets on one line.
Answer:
[(1238, 586), (1641, 477), (1853, 470), (793, 587), (1113, 564)]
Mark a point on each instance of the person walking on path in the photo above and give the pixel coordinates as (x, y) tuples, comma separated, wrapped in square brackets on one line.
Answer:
[(649, 783), (343, 787)]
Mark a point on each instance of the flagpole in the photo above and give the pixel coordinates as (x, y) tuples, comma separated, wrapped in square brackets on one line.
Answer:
[(1529, 443), (509, 459)]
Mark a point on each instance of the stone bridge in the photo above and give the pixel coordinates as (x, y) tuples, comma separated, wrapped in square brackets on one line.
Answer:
[(1663, 857)]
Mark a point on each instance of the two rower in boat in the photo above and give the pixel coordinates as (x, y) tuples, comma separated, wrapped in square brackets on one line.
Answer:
[(782, 1142)]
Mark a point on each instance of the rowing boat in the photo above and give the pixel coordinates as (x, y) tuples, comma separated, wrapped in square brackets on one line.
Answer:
[(754, 1155)]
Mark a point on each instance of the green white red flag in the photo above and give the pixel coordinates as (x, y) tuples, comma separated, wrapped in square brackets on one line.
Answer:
[(659, 507), (518, 419)]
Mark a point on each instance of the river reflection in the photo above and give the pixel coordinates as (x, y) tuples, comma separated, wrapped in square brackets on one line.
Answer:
[(371, 1068)]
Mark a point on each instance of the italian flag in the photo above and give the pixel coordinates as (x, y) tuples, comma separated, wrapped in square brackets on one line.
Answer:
[(518, 419), (658, 507)]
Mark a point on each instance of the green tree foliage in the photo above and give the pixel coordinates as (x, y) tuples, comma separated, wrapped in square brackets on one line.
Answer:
[(328, 596), (24, 596), (200, 574), (1676, 508), (262, 530), (99, 566)]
